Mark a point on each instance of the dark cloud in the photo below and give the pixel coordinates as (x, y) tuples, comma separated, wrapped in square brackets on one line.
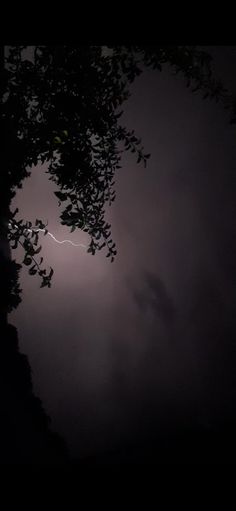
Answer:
[(151, 294)]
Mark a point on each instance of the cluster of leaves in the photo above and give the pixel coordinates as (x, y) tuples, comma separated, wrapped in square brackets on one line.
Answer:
[(18, 147), (63, 106), (26, 235), (194, 64), (66, 115)]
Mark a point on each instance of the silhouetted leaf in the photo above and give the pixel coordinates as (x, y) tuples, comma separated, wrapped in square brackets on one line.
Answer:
[(61, 196), (27, 260), (38, 250), (33, 270)]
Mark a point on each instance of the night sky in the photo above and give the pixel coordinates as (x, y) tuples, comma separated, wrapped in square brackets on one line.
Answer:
[(120, 352)]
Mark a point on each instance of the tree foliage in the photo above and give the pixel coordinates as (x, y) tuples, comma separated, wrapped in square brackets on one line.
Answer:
[(63, 106)]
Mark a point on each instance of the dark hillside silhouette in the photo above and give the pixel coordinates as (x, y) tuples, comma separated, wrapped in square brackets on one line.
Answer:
[(25, 434)]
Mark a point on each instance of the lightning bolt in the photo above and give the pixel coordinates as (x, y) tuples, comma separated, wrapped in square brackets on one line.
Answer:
[(53, 237)]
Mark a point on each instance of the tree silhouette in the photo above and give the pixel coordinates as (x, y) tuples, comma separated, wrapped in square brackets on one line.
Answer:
[(62, 105)]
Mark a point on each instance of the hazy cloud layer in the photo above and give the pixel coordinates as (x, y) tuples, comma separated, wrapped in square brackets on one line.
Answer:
[(119, 350)]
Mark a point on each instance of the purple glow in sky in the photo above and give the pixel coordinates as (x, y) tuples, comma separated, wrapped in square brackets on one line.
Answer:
[(114, 347)]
